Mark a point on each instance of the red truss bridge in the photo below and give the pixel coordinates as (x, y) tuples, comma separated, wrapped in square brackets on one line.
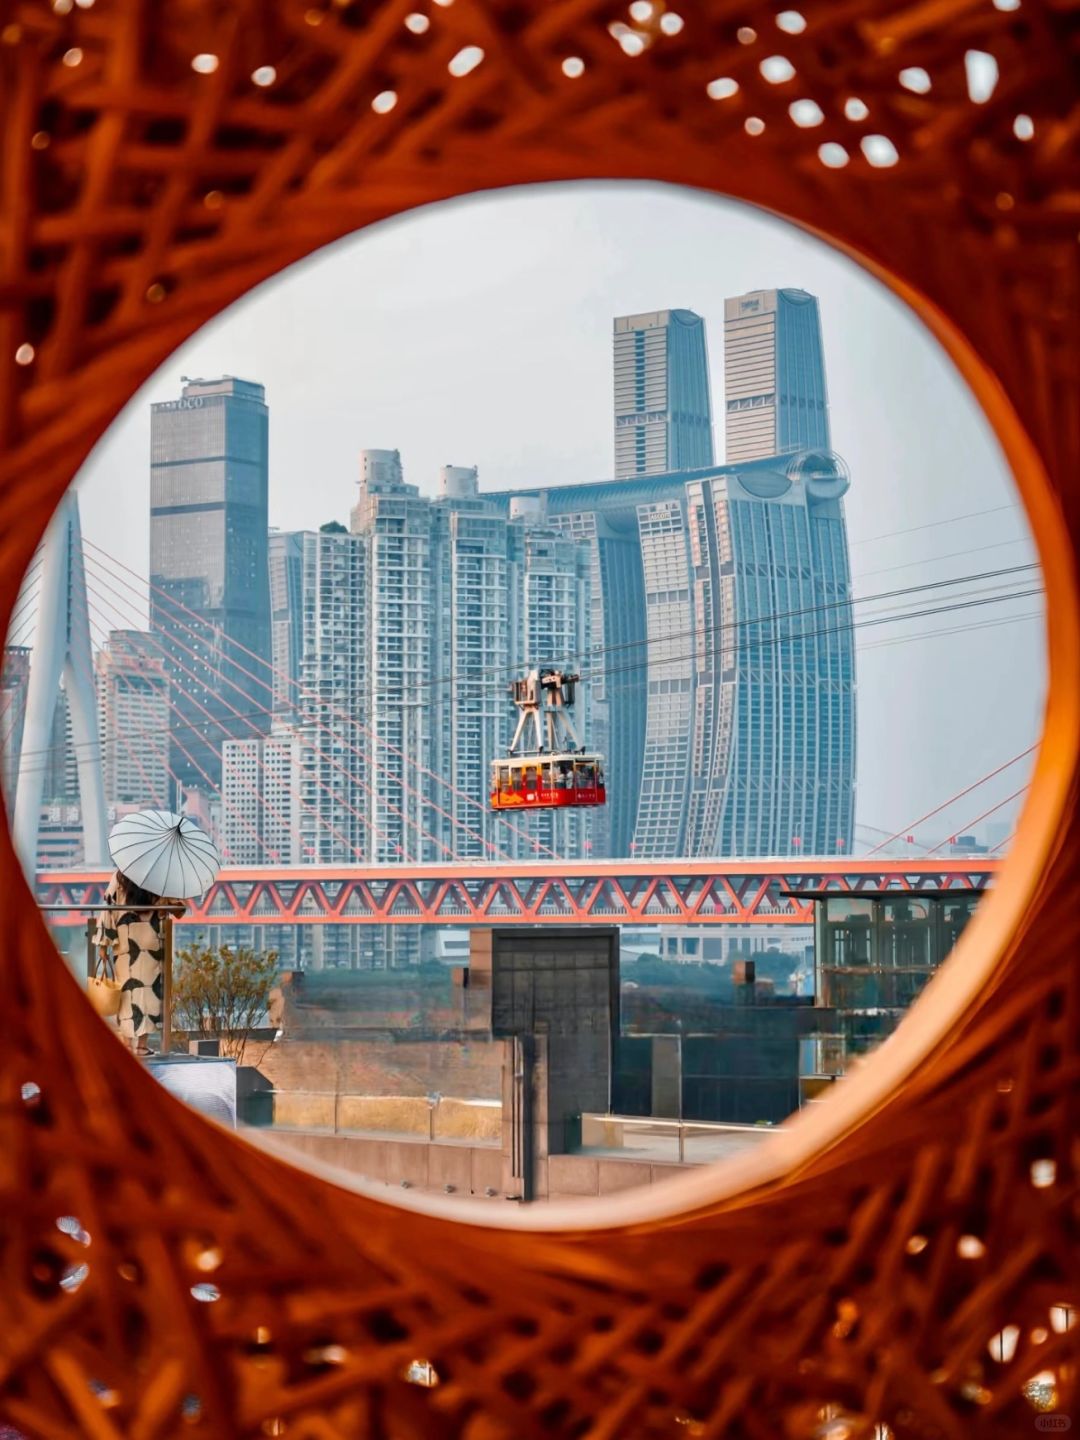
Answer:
[(611, 892)]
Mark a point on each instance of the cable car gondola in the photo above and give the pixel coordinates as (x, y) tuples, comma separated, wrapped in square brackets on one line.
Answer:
[(557, 772)]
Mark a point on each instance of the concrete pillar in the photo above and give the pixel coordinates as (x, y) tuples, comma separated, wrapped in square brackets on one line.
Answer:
[(61, 648)]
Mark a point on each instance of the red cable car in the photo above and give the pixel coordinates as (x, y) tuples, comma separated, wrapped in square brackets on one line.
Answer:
[(557, 772)]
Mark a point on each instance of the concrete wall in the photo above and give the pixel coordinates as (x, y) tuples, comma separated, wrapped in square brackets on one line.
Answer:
[(384, 1067), (469, 1170), (399, 1114), (446, 1167)]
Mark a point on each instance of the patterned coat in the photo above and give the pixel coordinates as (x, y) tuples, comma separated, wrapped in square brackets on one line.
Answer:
[(134, 941)]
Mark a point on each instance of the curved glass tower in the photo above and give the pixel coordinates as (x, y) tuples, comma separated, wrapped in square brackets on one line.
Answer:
[(727, 664)]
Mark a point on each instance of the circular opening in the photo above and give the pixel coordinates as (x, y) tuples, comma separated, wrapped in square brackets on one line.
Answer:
[(421, 285)]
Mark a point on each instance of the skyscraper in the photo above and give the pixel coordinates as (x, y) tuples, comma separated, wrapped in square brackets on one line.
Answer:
[(738, 691), (552, 605), (617, 622), (774, 375), (332, 800), (395, 522), (772, 770), (286, 616), (61, 782), (472, 607), (133, 711), (663, 411), (208, 566)]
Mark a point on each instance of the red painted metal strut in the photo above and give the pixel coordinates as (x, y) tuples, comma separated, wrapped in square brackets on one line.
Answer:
[(605, 892)]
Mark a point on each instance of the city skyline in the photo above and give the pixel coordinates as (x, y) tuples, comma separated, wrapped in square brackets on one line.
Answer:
[(912, 435)]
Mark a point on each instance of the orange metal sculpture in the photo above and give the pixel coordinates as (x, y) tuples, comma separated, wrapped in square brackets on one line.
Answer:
[(895, 1263)]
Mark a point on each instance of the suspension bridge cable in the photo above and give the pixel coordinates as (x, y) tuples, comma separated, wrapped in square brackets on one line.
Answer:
[(935, 524), (351, 775), (175, 740), (755, 647), (86, 669), (320, 753), (188, 724), (769, 617), (990, 775), (228, 733), (355, 724), (964, 829), (892, 640)]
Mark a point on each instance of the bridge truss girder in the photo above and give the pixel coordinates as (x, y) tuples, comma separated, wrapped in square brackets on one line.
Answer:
[(601, 893)]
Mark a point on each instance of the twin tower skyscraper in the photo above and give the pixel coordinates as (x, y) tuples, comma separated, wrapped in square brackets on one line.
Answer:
[(723, 666), (774, 384)]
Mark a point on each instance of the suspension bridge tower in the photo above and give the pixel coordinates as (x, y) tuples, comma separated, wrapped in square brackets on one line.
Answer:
[(61, 651)]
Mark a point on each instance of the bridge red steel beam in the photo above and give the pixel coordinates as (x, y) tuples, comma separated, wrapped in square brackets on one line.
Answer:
[(605, 892)]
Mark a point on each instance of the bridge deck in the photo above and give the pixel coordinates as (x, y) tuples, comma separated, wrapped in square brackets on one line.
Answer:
[(605, 892)]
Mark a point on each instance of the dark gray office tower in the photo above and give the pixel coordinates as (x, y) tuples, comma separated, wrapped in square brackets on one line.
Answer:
[(210, 601), (663, 413)]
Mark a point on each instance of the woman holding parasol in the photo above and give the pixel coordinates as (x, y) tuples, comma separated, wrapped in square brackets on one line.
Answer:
[(161, 859)]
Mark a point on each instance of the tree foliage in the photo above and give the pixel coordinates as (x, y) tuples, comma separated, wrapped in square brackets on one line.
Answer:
[(223, 994)]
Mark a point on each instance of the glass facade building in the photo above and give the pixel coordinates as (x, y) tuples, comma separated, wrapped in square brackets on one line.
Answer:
[(616, 635), (774, 375), (727, 659), (208, 567), (663, 410)]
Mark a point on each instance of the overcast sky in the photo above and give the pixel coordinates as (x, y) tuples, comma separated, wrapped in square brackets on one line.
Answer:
[(479, 333)]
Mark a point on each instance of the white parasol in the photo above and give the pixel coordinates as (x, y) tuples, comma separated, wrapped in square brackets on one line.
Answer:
[(164, 853)]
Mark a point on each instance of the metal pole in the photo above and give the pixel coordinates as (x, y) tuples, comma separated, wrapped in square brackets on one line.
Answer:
[(682, 1139), (91, 958), (166, 988)]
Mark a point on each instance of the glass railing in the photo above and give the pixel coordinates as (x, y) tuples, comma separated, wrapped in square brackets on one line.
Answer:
[(684, 1142), (330, 1112)]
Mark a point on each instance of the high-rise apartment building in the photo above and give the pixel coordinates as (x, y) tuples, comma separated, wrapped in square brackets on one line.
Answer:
[(282, 756), (210, 597), (331, 811), (473, 609), (663, 409), (395, 522), (133, 712), (243, 803), (553, 580), (286, 617), (775, 396)]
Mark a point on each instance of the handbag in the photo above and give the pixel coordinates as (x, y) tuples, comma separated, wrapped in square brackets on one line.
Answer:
[(104, 989)]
